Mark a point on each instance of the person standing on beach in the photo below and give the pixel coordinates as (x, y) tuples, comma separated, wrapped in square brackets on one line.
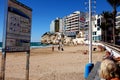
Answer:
[(52, 47), (62, 48), (59, 47)]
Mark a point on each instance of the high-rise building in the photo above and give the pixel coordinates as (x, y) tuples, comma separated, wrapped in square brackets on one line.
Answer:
[(56, 25), (73, 23), (77, 23), (52, 25), (86, 26), (96, 30)]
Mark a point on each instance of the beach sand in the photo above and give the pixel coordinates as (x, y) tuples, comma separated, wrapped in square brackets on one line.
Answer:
[(48, 65)]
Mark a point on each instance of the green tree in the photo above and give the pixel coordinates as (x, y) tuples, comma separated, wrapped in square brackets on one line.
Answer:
[(106, 23), (115, 4)]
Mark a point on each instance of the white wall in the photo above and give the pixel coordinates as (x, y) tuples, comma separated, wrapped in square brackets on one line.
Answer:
[(52, 27)]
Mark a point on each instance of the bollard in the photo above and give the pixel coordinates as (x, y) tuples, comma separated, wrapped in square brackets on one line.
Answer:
[(88, 69)]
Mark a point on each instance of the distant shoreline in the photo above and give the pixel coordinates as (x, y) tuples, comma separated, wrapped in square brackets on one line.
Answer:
[(33, 45)]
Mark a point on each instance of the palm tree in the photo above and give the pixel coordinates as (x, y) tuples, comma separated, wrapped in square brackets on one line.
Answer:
[(107, 16), (103, 30), (115, 4)]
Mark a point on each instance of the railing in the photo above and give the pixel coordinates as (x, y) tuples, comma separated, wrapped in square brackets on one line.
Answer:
[(113, 47)]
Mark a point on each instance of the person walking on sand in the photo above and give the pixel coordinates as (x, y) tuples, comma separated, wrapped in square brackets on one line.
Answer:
[(59, 47), (52, 47), (62, 48)]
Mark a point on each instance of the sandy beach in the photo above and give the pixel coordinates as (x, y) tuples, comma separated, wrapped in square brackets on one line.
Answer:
[(48, 65)]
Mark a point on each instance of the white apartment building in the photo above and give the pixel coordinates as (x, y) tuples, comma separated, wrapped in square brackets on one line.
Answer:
[(86, 27), (52, 25), (73, 23), (61, 25), (96, 30)]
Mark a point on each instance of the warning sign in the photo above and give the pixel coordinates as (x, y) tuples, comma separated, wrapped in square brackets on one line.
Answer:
[(18, 28)]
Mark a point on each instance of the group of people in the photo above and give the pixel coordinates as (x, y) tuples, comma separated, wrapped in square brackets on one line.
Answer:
[(60, 47), (110, 67)]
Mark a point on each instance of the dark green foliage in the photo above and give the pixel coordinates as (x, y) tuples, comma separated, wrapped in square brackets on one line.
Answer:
[(106, 24), (115, 4)]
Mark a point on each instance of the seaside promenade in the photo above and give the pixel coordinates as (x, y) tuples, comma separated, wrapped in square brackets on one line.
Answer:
[(48, 65)]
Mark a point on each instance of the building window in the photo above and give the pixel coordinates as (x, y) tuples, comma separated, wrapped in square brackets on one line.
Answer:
[(93, 38), (98, 29), (56, 25), (94, 33), (98, 22), (95, 25)]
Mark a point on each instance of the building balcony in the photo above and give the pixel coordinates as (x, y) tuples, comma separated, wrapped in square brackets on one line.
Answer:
[(117, 22)]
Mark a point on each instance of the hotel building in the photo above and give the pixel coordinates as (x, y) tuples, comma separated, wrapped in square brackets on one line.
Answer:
[(96, 30), (73, 23), (56, 25)]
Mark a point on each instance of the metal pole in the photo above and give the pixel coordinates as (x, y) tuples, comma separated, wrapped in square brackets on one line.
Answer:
[(90, 34), (27, 64), (3, 62)]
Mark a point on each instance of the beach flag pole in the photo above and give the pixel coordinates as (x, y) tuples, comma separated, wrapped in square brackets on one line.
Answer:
[(90, 34), (90, 65)]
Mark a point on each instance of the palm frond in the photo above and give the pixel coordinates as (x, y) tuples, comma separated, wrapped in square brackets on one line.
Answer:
[(114, 3)]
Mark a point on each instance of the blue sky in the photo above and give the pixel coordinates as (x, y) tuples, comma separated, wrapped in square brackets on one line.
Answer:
[(44, 11)]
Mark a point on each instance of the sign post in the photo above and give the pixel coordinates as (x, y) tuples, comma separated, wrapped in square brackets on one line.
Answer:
[(3, 65), (27, 65), (17, 32)]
